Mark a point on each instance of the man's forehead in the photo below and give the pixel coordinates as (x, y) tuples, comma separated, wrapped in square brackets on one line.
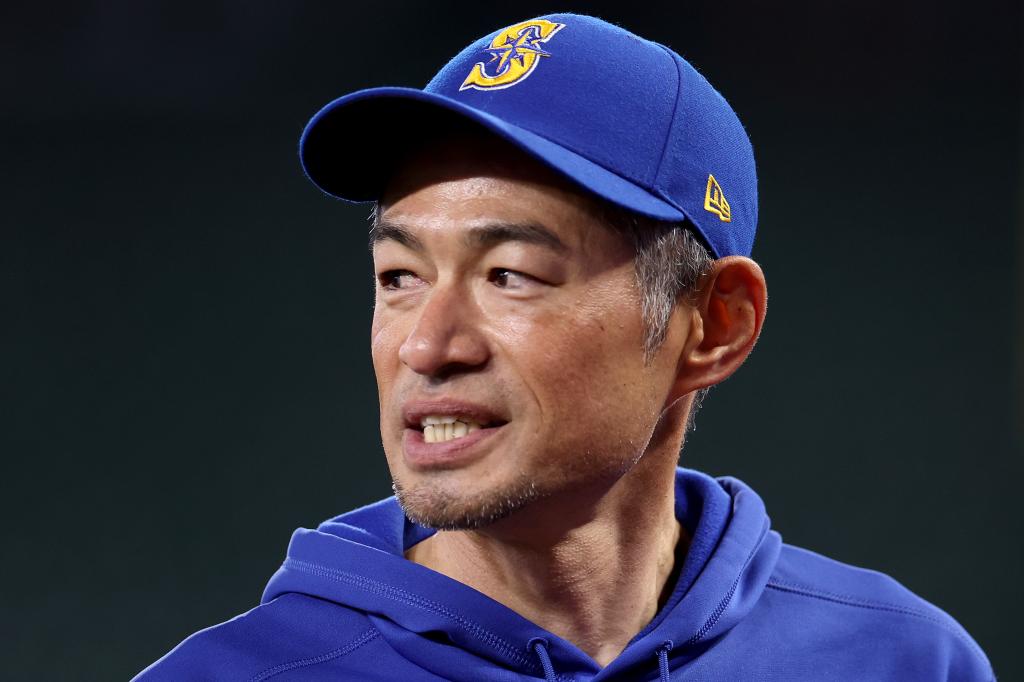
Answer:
[(474, 235)]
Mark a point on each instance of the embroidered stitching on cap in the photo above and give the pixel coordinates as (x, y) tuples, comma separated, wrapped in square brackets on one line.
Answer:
[(714, 200), (517, 51)]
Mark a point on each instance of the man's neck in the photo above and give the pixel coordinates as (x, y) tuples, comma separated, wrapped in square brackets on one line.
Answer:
[(593, 569)]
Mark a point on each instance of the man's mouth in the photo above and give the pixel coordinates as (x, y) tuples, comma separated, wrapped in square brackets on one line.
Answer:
[(440, 428)]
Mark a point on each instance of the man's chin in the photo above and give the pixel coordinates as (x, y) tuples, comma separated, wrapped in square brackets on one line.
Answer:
[(433, 506)]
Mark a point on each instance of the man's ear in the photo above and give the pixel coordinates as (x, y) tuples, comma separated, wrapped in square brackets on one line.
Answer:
[(726, 320)]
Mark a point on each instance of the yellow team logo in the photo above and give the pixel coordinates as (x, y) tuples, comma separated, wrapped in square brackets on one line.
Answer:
[(714, 200), (515, 53)]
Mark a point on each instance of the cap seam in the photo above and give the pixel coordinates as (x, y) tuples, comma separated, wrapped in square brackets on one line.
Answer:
[(672, 120), (656, 187)]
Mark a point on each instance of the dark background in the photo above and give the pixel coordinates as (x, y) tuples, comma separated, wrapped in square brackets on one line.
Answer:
[(186, 366)]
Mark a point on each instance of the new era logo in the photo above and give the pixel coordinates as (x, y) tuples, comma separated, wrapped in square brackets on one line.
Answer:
[(714, 200)]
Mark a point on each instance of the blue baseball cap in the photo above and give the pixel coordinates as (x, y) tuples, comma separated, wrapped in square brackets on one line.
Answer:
[(625, 118)]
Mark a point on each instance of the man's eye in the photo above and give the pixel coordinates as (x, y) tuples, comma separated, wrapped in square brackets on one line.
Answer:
[(397, 279), (508, 279)]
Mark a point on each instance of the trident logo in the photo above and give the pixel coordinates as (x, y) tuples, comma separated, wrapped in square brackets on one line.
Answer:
[(515, 53)]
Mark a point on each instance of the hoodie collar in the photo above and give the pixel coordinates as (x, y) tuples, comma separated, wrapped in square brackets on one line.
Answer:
[(357, 559)]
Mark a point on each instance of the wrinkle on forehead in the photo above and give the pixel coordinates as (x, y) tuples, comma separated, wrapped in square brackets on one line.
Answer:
[(476, 178)]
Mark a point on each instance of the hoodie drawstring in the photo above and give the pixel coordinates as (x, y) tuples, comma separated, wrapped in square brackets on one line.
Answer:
[(539, 646), (662, 652)]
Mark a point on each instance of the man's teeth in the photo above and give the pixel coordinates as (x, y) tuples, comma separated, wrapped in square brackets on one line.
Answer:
[(438, 429)]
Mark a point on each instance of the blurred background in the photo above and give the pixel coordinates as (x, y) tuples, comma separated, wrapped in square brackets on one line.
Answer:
[(185, 346)]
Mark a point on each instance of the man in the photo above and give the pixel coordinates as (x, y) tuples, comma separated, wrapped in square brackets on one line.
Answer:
[(561, 244)]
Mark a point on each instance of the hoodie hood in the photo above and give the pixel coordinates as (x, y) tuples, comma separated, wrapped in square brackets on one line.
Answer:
[(457, 633)]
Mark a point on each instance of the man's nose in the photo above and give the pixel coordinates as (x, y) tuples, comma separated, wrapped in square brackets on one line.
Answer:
[(446, 338)]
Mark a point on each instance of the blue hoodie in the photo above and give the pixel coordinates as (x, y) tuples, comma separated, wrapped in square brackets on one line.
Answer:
[(346, 605)]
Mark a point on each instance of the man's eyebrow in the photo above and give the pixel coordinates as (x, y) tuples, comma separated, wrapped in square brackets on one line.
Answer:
[(481, 236), (382, 230), (492, 234)]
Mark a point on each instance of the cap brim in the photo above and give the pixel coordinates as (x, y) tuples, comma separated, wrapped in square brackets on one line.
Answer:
[(350, 147)]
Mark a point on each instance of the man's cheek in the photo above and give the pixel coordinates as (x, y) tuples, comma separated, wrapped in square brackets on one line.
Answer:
[(583, 347), (385, 341)]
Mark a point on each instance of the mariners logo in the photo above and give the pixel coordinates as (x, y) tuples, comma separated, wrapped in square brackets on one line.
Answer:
[(515, 53)]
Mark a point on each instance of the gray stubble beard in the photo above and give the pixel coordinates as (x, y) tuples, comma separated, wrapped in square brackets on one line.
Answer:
[(431, 508)]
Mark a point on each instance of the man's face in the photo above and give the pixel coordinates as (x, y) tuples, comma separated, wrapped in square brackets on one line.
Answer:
[(504, 305)]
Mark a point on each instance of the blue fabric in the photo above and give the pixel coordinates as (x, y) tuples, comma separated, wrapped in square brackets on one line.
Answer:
[(346, 605), (628, 119)]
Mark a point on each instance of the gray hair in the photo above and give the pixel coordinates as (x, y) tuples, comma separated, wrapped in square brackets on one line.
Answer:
[(670, 262)]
